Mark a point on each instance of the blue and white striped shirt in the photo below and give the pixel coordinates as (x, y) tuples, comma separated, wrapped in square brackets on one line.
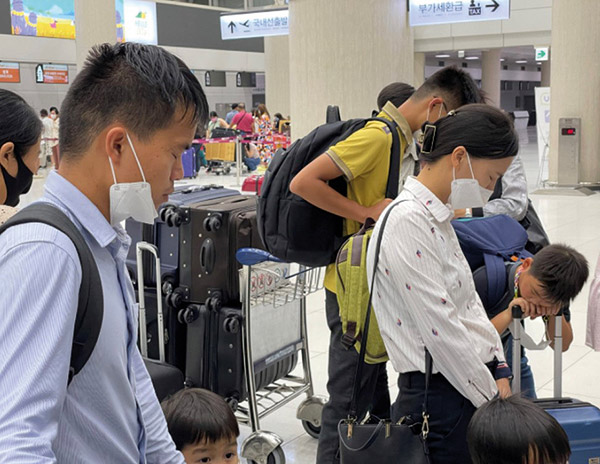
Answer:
[(109, 413)]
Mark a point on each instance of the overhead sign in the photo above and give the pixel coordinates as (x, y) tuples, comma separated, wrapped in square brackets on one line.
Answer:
[(10, 72), (140, 22), (542, 54), (52, 74), (256, 24), (426, 12)]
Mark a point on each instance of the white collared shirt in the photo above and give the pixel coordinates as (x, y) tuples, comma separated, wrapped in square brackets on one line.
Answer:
[(424, 295)]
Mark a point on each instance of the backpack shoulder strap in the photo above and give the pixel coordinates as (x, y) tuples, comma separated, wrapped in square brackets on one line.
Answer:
[(393, 182), (90, 307), (496, 277)]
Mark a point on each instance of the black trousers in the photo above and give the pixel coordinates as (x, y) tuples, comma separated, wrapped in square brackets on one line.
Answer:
[(374, 396), (449, 415)]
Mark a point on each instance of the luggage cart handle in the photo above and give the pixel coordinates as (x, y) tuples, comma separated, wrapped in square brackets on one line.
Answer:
[(142, 247), (252, 256)]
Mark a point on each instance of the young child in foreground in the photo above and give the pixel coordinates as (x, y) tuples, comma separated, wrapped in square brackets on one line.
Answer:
[(516, 431), (203, 426)]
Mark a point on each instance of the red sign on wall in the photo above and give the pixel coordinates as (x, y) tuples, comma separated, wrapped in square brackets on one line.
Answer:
[(52, 74), (10, 72)]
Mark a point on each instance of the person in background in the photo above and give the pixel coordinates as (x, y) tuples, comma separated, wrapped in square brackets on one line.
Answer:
[(363, 159), (234, 110), (276, 119), (47, 131), (265, 133), (203, 426), (214, 122), (514, 430), (20, 133), (424, 297), (128, 116), (54, 115), (243, 121)]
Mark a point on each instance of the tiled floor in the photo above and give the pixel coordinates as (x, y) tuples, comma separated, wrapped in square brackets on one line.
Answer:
[(573, 220)]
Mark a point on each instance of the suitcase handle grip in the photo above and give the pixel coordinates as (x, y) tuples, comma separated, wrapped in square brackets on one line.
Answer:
[(252, 256), (517, 312), (207, 256)]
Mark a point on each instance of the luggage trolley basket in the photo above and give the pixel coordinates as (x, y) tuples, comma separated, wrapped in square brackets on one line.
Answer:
[(273, 294)]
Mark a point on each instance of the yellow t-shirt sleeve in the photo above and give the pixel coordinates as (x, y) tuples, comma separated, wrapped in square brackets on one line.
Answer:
[(361, 152)]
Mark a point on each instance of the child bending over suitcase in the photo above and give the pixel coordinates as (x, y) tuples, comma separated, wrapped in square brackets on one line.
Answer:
[(203, 426), (516, 431), (541, 285)]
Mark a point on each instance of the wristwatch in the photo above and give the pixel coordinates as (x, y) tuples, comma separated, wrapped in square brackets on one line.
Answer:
[(468, 212)]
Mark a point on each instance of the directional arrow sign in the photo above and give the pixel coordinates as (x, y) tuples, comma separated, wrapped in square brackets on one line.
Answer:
[(424, 12), (541, 54), (254, 24), (232, 26), (495, 5)]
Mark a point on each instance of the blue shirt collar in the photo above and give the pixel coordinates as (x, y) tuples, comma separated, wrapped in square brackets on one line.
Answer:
[(89, 216)]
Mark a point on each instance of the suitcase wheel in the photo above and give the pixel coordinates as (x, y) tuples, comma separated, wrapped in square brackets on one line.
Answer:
[(233, 403), (189, 314), (231, 324), (214, 303), (176, 299), (213, 223), (311, 429)]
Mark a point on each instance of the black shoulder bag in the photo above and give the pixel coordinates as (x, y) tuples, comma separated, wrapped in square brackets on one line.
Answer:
[(385, 441)]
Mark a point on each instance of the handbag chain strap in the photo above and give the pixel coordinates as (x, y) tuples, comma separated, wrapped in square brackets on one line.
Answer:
[(352, 415)]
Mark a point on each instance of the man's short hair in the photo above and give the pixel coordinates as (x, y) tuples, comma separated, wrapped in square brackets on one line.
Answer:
[(396, 92), (561, 271), (195, 415), (140, 86), (454, 85), (43, 113), (241, 106), (509, 430), (234, 106)]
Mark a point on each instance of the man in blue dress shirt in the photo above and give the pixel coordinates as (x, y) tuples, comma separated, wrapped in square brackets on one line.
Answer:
[(127, 118)]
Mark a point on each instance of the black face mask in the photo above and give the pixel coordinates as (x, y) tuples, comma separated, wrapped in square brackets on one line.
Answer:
[(16, 186)]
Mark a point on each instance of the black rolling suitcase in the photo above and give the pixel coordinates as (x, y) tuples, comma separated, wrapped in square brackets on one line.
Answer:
[(579, 419), (215, 358), (164, 233), (166, 379), (210, 237)]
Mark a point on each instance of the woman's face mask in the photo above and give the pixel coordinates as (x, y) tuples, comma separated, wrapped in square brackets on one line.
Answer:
[(467, 193)]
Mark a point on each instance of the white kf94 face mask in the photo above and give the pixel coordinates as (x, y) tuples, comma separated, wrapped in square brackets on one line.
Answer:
[(132, 199), (467, 193)]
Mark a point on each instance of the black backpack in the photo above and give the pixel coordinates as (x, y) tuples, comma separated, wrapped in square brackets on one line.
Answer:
[(293, 229), (90, 308)]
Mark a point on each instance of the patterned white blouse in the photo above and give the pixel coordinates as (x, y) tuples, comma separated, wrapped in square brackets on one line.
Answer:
[(425, 297)]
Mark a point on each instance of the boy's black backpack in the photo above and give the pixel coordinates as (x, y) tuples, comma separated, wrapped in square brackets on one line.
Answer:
[(293, 229)]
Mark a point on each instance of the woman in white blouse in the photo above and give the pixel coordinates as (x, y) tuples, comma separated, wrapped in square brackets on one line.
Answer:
[(424, 296)]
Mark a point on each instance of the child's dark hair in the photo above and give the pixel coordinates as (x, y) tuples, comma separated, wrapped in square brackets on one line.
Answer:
[(561, 270), (485, 132), (396, 92), (454, 85), (213, 114), (511, 430), (195, 415)]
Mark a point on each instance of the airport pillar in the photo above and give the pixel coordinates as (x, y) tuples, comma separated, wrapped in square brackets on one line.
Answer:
[(490, 75), (277, 75), (575, 87), (419, 76), (343, 52), (95, 23)]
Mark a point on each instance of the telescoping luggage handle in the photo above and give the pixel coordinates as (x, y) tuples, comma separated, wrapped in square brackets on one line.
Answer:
[(516, 329), (142, 247)]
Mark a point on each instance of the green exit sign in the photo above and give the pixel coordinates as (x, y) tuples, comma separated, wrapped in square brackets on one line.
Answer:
[(541, 54)]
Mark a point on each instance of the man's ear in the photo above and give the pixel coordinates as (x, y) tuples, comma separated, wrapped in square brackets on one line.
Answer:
[(115, 143)]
